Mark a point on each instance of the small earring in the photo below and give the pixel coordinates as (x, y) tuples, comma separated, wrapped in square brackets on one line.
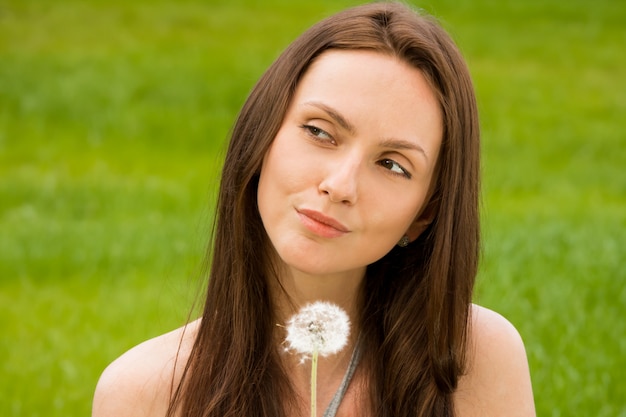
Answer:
[(404, 242)]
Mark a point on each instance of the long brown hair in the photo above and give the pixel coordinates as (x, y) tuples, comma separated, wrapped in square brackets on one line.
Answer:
[(415, 301)]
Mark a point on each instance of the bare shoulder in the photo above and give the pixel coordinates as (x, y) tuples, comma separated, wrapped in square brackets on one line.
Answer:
[(139, 382), (497, 380)]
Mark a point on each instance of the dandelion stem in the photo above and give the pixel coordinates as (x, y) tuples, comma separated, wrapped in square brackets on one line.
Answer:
[(314, 383)]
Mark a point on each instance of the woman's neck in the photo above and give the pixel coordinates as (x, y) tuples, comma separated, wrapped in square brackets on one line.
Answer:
[(293, 289), (290, 291)]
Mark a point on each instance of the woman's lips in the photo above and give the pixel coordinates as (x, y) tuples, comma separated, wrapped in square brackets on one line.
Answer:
[(321, 224)]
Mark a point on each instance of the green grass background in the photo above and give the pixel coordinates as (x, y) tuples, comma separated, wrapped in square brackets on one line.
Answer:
[(113, 119)]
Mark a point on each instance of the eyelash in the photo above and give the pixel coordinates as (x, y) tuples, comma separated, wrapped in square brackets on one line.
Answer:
[(314, 132), (404, 173)]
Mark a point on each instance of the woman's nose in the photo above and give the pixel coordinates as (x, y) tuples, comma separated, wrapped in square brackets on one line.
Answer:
[(340, 180)]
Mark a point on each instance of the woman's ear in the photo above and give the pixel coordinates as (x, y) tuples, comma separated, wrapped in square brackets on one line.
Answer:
[(423, 220)]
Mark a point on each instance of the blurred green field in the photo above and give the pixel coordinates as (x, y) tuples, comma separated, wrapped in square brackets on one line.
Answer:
[(113, 119)]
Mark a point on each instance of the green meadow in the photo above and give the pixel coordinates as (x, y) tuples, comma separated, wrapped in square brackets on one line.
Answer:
[(113, 121)]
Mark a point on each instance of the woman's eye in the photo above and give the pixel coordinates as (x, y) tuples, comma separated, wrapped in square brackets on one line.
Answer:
[(394, 167), (317, 133)]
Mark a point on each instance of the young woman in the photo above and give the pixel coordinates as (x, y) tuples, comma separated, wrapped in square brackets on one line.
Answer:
[(351, 177)]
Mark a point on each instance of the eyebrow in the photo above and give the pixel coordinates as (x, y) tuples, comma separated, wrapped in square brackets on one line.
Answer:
[(401, 144), (391, 143), (334, 114)]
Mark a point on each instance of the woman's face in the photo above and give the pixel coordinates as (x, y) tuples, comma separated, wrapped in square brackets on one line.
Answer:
[(351, 166)]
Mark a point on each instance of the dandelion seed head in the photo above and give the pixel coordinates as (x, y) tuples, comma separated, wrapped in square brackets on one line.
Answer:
[(320, 327)]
